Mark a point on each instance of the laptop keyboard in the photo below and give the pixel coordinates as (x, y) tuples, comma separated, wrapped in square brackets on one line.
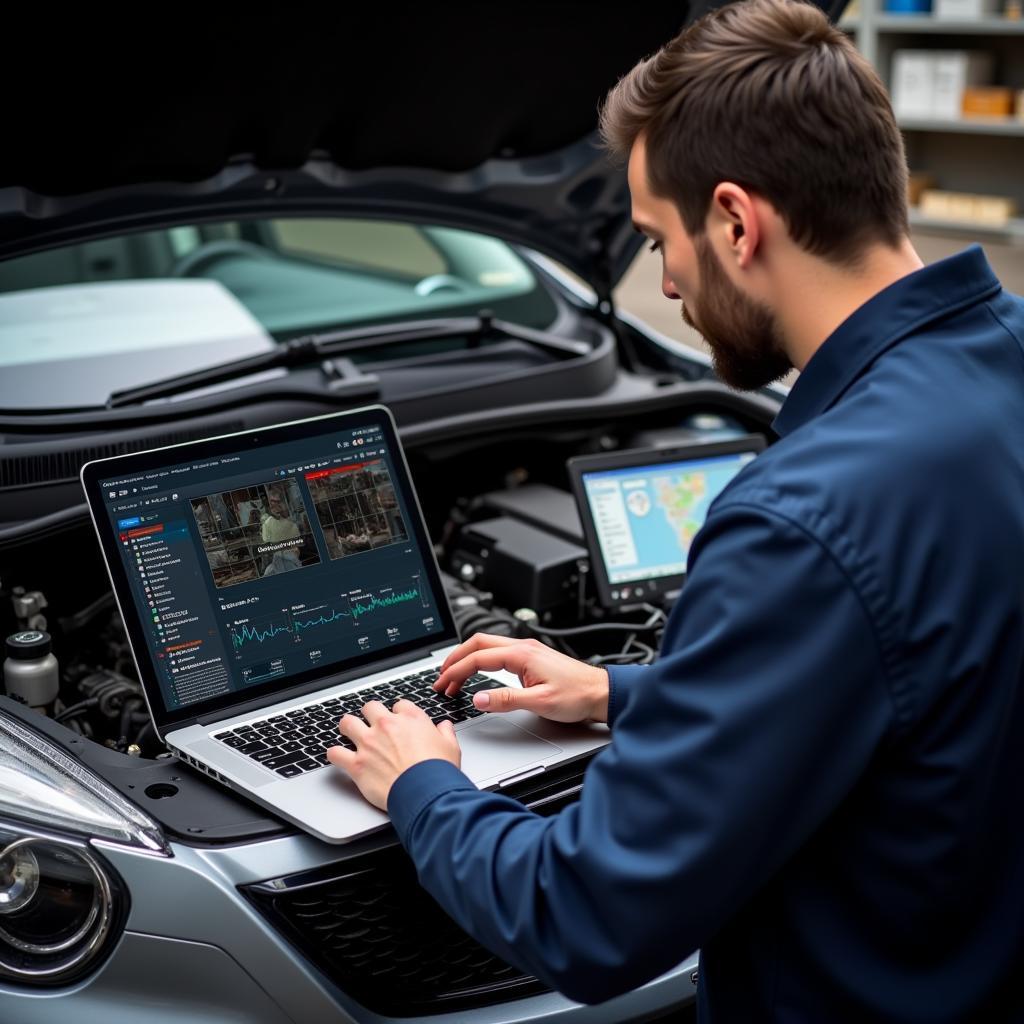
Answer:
[(297, 741)]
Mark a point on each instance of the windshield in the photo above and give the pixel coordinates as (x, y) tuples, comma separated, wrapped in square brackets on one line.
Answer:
[(83, 320)]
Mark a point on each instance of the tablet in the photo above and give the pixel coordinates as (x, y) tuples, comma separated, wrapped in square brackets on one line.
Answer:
[(641, 509)]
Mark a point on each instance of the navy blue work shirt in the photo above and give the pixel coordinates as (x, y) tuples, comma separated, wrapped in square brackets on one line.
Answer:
[(820, 780)]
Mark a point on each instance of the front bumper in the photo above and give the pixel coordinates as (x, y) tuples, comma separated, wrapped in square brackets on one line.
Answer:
[(196, 948)]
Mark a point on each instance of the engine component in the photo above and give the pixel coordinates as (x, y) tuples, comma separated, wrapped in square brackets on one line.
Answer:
[(115, 697), (474, 611), (520, 565), (31, 673), (539, 505), (28, 607)]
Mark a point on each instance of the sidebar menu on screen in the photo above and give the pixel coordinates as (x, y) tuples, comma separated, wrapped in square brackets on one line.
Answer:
[(176, 610), (245, 570)]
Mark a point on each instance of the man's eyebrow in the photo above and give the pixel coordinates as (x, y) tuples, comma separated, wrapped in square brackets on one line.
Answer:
[(641, 228)]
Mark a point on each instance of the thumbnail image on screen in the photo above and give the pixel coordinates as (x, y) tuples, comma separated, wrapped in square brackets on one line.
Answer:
[(252, 532), (357, 508)]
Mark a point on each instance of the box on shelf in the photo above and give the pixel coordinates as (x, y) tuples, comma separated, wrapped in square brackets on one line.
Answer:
[(966, 10), (908, 6), (1020, 104), (912, 78), (917, 182), (954, 72), (992, 211), (987, 101), (931, 83)]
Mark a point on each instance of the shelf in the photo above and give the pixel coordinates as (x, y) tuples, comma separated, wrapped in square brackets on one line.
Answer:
[(1012, 232), (973, 126), (973, 155), (930, 25), (848, 24)]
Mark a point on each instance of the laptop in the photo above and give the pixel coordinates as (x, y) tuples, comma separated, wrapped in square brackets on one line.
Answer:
[(641, 509), (274, 579)]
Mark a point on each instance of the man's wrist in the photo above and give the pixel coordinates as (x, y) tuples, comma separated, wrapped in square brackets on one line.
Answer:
[(418, 787), (599, 704)]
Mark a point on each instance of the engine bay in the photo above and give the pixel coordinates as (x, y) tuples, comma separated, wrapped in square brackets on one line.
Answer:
[(503, 524)]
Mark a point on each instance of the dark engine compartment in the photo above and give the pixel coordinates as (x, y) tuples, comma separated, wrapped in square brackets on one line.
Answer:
[(469, 476)]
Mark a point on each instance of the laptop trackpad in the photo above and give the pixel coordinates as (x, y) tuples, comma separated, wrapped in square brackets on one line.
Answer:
[(493, 747)]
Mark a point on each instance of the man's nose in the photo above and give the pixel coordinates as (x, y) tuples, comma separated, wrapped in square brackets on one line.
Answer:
[(668, 289)]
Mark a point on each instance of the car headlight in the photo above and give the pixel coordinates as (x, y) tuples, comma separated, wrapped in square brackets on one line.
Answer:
[(61, 904), (57, 906)]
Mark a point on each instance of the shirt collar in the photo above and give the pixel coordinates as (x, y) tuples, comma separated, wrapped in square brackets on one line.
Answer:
[(937, 290)]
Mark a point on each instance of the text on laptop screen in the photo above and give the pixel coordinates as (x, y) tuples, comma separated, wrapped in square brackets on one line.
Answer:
[(265, 564), (647, 516)]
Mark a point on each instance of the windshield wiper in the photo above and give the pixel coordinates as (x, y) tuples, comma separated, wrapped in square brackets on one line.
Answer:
[(314, 347)]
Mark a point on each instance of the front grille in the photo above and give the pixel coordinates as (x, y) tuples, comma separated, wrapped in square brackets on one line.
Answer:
[(386, 942)]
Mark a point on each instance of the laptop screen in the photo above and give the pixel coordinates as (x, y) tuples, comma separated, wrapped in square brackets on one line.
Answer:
[(257, 562), (641, 511)]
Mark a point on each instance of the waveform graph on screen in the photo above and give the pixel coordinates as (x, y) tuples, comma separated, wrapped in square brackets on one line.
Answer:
[(285, 628), (400, 600), (382, 606)]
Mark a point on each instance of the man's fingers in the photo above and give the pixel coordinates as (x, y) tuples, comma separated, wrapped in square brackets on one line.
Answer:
[(447, 730), (352, 727), (512, 657), (407, 708), (374, 711), (507, 699), (476, 642), (341, 757)]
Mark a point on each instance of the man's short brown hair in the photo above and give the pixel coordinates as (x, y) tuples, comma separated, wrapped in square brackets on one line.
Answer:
[(769, 95)]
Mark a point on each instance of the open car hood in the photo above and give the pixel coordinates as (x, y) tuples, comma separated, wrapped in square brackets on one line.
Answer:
[(481, 117)]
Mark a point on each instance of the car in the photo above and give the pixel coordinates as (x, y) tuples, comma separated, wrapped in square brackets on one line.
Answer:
[(221, 229)]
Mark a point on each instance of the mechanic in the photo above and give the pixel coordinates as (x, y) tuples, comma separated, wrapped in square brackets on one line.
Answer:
[(820, 780)]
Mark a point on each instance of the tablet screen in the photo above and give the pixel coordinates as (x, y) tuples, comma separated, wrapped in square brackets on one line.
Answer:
[(643, 518)]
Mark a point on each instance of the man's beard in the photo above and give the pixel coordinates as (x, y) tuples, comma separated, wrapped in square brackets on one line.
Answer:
[(746, 350)]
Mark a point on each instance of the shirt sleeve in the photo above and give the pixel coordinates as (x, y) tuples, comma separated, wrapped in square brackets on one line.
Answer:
[(765, 707), (620, 682)]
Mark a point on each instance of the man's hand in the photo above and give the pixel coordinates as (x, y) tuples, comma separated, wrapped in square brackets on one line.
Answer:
[(555, 686), (387, 743)]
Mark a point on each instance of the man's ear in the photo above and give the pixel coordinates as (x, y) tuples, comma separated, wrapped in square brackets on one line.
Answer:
[(733, 222)]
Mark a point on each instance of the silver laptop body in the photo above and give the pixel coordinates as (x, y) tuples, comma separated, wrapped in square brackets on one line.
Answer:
[(240, 566)]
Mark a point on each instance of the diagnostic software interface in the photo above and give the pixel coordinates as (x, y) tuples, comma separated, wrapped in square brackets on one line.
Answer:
[(261, 565)]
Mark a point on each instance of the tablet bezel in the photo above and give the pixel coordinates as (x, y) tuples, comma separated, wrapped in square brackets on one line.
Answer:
[(661, 589)]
